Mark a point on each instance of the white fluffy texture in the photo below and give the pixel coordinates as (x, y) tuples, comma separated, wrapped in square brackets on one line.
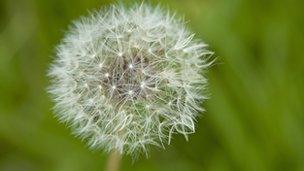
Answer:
[(127, 78)]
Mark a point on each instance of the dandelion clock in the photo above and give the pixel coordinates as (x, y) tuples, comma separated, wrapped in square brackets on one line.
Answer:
[(127, 78)]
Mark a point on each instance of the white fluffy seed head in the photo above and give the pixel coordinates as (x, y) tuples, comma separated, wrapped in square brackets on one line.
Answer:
[(126, 78)]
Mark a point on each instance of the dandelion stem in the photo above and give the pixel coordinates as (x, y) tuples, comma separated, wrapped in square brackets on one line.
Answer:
[(113, 161)]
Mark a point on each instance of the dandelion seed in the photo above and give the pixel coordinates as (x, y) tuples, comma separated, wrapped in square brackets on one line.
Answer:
[(100, 65), (131, 66), (107, 75), (130, 92), (120, 54), (150, 50), (147, 106), (142, 85)]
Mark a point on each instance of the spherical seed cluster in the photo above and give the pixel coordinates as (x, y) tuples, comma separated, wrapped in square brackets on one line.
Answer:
[(127, 78)]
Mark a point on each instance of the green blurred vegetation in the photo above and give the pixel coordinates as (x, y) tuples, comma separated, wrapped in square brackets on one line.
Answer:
[(254, 119)]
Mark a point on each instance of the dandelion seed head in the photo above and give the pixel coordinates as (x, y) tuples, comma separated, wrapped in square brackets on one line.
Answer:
[(127, 78)]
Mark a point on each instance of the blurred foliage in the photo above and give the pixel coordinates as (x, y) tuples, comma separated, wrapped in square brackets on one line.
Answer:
[(254, 119)]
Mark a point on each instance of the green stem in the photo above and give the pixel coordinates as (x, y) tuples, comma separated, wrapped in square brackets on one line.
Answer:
[(113, 161)]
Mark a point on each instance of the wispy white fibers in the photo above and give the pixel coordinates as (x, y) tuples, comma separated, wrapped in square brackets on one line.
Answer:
[(125, 78)]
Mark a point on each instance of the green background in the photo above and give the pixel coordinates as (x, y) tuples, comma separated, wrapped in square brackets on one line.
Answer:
[(254, 119)]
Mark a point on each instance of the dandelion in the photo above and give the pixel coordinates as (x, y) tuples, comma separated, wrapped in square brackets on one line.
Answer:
[(127, 78)]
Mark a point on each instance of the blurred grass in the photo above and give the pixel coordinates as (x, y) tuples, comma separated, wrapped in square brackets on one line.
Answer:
[(254, 119)]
